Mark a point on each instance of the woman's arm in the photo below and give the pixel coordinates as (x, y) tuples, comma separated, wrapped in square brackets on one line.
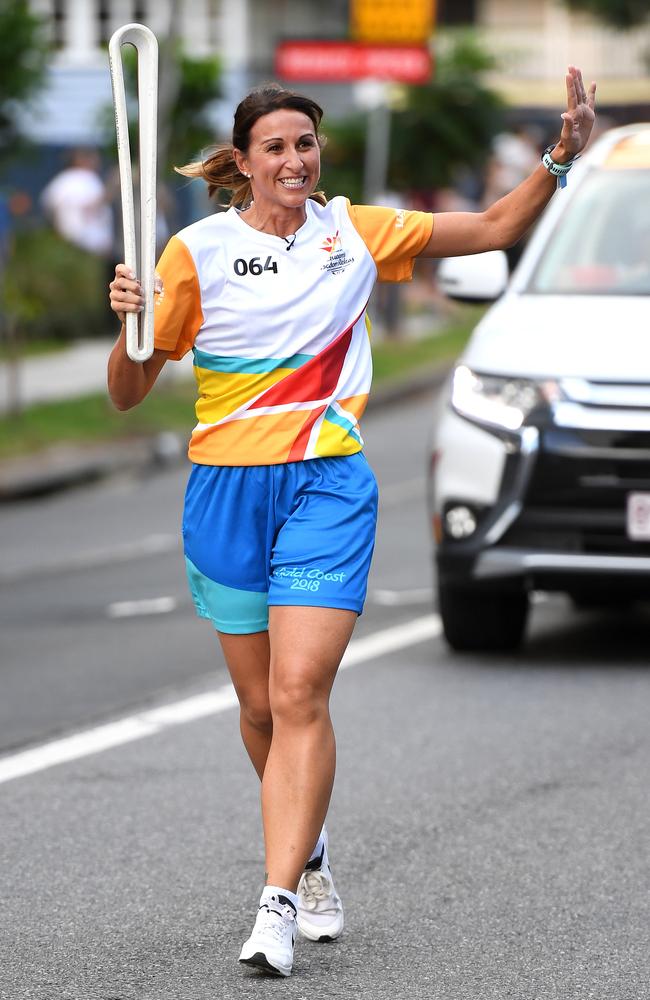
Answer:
[(129, 381), (506, 221)]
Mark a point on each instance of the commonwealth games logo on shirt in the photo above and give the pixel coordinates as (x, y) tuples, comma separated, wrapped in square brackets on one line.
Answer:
[(337, 258), (332, 243)]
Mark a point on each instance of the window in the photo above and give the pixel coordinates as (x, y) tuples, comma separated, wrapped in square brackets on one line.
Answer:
[(450, 12), (104, 17), (58, 19), (602, 245)]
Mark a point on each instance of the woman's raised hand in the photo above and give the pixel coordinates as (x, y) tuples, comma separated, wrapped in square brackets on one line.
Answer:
[(579, 117)]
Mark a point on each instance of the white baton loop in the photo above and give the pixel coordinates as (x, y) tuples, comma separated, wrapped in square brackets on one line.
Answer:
[(139, 330)]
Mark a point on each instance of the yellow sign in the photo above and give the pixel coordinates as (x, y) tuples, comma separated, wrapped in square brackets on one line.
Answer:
[(405, 21)]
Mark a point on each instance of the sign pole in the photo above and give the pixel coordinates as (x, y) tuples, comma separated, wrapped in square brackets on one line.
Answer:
[(374, 95)]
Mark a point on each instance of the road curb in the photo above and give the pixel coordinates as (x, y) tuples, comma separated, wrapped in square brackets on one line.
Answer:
[(65, 466)]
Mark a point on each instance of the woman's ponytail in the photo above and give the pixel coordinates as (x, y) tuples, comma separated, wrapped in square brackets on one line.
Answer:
[(221, 173)]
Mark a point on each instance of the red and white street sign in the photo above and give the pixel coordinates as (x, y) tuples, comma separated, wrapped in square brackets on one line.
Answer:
[(336, 62)]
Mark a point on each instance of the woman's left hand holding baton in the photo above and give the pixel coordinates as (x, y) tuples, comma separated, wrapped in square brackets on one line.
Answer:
[(130, 381)]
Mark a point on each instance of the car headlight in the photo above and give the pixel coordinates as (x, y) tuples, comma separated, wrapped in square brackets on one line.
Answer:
[(500, 401)]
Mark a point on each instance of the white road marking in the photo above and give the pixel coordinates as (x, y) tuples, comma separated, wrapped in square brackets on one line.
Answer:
[(391, 639), (394, 598), (150, 545), (142, 724), (146, 606)]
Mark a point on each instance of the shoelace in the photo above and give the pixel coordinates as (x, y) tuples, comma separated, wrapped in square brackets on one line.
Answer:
[(275, 923), (315, 888)]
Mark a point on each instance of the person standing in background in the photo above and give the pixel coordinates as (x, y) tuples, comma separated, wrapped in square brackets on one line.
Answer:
[(75, 203), (515, 155)]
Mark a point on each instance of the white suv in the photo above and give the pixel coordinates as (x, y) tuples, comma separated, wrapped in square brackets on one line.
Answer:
[(540, 466)]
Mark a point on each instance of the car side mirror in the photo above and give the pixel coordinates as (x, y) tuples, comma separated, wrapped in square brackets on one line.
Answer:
[(477, 277)]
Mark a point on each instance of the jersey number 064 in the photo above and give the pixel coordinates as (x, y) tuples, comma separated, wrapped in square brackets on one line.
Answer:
[(254, 266)]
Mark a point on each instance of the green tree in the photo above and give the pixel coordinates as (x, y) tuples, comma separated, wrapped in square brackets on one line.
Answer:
[(188, 86), (191, 126), (441, 129), (617, 13), (23, 55), (343, 156), (448, 125)]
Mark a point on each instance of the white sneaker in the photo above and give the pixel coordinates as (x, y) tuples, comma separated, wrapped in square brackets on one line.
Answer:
[(320, 911), (270, 946)]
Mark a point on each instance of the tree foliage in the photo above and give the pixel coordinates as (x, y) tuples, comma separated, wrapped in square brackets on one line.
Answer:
[(189, 127), (342, 158), (37, 275), (443, 128), (23, 54), (617, 13), (448, 125)]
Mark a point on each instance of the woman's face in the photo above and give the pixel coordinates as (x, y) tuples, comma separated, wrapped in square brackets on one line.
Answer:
[(283, 159)]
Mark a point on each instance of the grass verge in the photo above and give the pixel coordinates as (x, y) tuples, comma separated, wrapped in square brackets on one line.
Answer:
[(390, 359), (92, 419)]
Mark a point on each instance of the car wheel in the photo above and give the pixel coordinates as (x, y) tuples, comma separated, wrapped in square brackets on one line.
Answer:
[(479, 619)]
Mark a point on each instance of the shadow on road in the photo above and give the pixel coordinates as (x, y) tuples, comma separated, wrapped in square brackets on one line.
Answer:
[(597, 638)]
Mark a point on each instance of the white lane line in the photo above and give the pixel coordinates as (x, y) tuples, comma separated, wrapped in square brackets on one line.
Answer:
[(136, 727), (146, 606), (394, 598), (150, 545), (390, 495), (391, 639)]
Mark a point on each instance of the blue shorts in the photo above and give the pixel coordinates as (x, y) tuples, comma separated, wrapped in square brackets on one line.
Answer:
[(295, 534)]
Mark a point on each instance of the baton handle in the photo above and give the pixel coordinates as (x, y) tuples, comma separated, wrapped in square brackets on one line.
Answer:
[(139, 327)]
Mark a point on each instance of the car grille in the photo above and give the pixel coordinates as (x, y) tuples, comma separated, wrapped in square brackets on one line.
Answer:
[(577, 495)]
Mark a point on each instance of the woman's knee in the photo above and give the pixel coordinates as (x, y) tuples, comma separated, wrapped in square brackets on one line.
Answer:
[(256, 711), (297, 700)]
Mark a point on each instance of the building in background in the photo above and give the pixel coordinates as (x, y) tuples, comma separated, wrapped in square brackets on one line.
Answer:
[(534, 41), (242, 33)]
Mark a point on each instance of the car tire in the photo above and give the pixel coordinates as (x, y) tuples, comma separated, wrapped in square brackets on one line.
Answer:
[(482, 620)]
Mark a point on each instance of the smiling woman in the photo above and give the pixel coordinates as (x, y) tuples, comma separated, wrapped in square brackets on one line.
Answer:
[(281, 506), (260, 146)]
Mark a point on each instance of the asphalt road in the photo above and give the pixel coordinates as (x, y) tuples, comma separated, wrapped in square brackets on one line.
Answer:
[(490, 822)]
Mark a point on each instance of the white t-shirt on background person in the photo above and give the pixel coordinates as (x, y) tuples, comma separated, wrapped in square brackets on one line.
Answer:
[(75, 202)]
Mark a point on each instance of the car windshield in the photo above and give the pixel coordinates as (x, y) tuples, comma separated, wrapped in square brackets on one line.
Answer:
[(602, 245)]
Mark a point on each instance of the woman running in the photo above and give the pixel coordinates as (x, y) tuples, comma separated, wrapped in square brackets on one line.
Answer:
[(280, 508)]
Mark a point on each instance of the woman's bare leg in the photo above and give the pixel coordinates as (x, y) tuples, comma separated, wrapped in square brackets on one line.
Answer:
[(247, 658), (307, 645)]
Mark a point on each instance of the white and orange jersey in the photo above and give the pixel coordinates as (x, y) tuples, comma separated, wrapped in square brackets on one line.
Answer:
[(278, 327)]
